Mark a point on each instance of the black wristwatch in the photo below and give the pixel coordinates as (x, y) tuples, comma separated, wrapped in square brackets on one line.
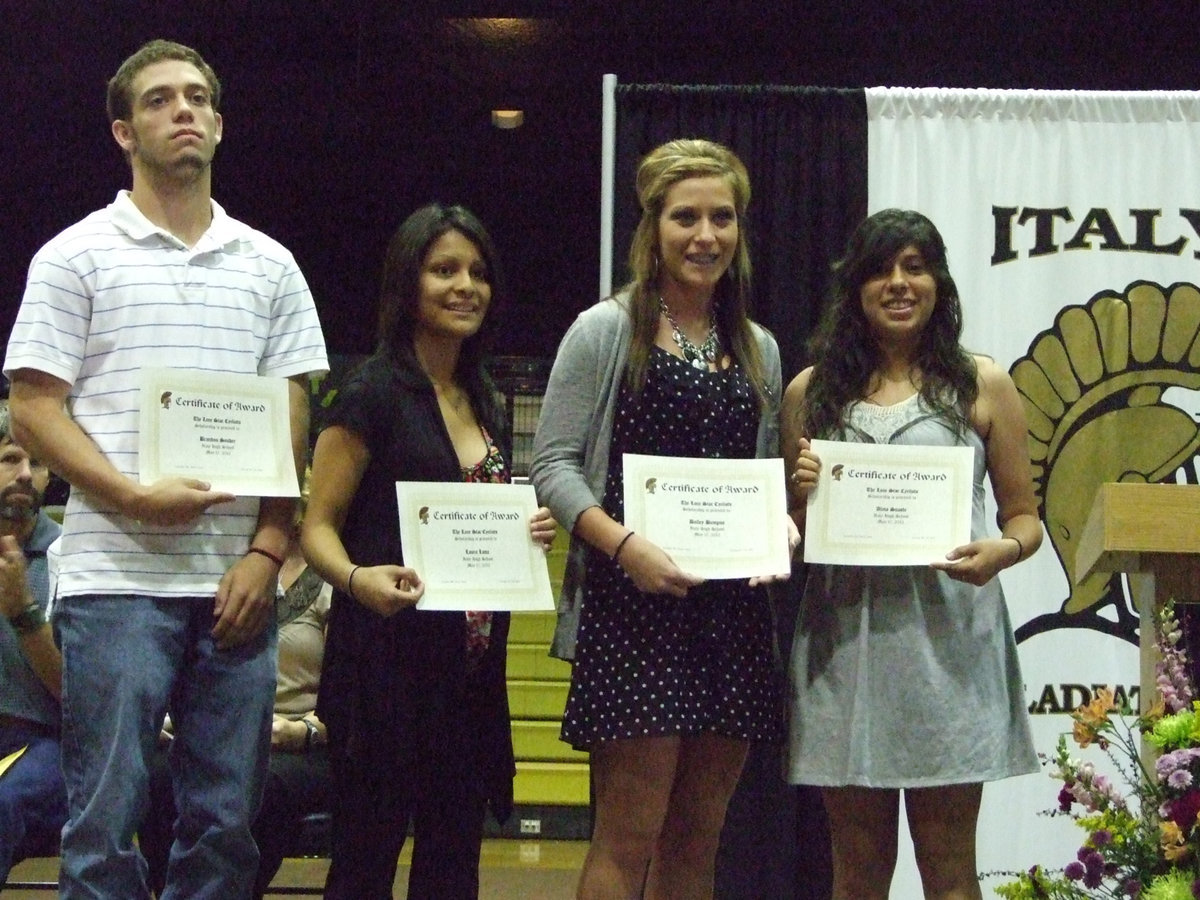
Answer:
[(28, 620), (309, 735)]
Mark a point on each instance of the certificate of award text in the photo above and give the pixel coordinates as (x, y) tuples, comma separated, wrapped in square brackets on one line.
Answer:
[(470, 545), (888, 504), (232, 431), (716, 518)]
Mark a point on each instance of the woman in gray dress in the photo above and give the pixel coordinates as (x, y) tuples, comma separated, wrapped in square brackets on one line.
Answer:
[(906, 677)]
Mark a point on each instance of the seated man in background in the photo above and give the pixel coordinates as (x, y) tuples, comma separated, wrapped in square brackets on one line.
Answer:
[(33, 797)]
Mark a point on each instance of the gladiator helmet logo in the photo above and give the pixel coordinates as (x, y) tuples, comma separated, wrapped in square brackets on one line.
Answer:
[(1112, 394)]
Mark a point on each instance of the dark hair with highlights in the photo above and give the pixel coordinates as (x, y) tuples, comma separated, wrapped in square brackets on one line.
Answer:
[(845, 354)]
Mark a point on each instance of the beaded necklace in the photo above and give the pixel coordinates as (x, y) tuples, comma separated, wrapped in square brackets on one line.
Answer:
[(702, 356)]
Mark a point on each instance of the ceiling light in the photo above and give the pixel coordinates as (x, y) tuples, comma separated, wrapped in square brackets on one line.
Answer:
[(508, 118)]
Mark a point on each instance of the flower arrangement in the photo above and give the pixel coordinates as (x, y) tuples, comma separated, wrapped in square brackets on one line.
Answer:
[(1142, 841)]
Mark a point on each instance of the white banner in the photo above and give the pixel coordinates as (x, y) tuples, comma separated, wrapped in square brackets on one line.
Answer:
[(1072, 221)]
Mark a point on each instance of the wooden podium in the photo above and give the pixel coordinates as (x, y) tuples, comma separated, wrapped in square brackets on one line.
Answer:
[(1152, 533)]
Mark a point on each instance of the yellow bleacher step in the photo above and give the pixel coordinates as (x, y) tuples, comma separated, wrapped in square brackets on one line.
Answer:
[(532, 662), (539, 741), (536, 699), (532, 628), (559, 784), (556, 562)]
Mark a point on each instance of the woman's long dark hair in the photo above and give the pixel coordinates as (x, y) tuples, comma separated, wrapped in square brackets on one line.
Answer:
[(844, 352), (400, 296)]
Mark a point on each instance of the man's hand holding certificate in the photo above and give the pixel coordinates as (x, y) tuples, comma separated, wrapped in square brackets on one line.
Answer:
[(232, 431), (716, 518), (888, 505)]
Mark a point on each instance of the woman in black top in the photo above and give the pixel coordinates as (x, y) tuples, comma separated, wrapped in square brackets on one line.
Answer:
[(414, 701)]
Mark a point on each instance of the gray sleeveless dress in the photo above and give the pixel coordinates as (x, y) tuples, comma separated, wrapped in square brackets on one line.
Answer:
[(901, 677)]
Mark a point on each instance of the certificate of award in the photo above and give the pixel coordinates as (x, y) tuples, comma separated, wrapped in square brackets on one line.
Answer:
[(716, 518), (470, 545), (888, 505), (232, 431)]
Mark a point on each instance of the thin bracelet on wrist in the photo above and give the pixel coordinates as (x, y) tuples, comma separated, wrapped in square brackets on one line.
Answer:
[(350, 582), (621, 546), (1020, 548), (267, 553)]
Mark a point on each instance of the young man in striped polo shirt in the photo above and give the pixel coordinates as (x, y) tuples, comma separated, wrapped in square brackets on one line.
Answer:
[(165, 591)]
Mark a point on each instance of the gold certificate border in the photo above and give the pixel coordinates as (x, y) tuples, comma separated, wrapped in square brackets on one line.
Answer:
[(821, 547), (411, 496), (772, 559), (156, 382)]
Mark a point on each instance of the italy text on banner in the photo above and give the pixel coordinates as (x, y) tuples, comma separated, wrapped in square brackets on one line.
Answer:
[(1073, 226)]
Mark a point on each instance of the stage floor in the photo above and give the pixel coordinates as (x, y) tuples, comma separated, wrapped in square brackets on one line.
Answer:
[(508, 869)]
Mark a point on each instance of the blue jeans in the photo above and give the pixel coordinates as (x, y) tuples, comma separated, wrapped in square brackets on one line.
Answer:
[(33, 798), (127, 660)]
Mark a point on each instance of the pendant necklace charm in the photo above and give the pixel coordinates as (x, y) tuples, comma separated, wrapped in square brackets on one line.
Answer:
[(700, 357)]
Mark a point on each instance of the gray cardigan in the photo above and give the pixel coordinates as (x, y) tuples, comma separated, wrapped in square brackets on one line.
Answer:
[(570, 449)]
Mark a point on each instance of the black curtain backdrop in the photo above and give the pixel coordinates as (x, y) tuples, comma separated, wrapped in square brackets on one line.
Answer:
[(806, 152)]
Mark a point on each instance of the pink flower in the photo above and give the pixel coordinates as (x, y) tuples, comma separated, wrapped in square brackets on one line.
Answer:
[(1180, 779)]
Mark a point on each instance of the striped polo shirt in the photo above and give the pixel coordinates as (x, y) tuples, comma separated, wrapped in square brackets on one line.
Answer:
[(115, 293)]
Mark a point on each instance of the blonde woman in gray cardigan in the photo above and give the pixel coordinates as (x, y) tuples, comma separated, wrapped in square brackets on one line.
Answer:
[(673, 676)]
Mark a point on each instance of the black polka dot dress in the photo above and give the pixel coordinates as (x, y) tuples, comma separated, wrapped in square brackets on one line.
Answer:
[(650, 664)]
